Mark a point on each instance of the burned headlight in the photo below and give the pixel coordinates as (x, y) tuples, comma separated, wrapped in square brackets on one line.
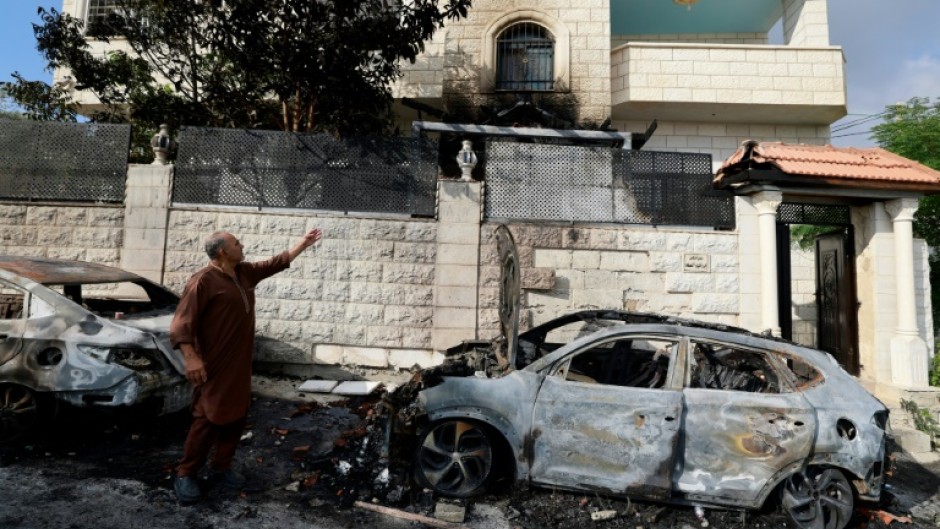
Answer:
[(130, 357)]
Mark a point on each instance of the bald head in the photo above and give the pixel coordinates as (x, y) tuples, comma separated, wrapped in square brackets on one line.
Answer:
[(215, 243)]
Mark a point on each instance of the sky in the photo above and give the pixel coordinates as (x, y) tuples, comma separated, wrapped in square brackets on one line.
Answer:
[(891, 47)]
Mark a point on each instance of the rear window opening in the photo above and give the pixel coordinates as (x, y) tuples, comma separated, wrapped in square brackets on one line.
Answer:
[(124, 299), (720, 366)]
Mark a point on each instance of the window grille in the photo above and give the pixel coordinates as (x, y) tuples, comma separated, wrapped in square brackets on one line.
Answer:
[(525, 58), (99, 11)]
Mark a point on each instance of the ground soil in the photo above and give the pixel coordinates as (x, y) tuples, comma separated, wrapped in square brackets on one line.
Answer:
[(309, 458)]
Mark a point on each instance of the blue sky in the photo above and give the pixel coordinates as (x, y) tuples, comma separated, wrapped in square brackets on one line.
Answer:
[(891, 47)]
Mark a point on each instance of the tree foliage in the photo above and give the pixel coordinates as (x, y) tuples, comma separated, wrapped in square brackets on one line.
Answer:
[(298, 65), (912, 130)]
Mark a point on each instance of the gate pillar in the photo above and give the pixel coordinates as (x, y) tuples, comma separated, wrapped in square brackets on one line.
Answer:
[(908, 349), (766, 204)]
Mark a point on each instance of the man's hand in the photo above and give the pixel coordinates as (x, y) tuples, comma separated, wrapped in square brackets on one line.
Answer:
[(195, 369), (308, 240)]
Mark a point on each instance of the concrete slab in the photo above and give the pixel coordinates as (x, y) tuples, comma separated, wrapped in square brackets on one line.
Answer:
[(356, 387), (318, 386)]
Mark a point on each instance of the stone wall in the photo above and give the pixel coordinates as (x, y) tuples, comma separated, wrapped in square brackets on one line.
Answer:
[(803, 293), (721, 140), (366, 289), (87, 232), (639, 268)]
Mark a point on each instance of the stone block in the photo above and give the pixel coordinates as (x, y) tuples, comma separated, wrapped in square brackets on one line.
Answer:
[(365, 356), (455, 275), (689, 283), (665, 262), (712, 303), (538, 278), (464, 254), (384, 337), (41, 216), (459, 233), (10, 214), (624, 261), (386, 230), (453, 317), (409, 358), (442, 338), (450, 512), (415, 274), (106, 216), (328, 354), (416, 338), (585, 260), (454, 296), (414, 252), (420, 231), (911, 440)]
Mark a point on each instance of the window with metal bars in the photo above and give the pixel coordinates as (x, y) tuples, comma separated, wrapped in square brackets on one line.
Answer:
[(96, 21), (525, 58)]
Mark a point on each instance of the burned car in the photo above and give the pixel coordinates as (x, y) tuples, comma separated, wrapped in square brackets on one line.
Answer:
[(84, 334), (648, 406)]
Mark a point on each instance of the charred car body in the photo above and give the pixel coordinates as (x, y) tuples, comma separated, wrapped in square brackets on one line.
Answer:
[(650, 406), (85, 334)]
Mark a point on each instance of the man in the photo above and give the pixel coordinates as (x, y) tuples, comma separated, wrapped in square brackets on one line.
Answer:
[(214, 327)]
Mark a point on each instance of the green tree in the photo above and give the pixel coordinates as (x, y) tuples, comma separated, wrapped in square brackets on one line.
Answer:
[(913, 131), (295, 65)]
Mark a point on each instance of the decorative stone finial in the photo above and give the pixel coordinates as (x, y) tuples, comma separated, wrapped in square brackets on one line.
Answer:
[(162, 144), (467, 160)]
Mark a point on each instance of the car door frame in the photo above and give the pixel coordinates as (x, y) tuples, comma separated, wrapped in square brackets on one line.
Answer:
[(573, 443), (13, 329), (733, 442)]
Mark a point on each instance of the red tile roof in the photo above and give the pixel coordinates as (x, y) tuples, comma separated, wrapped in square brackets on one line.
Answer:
[(839, 166)]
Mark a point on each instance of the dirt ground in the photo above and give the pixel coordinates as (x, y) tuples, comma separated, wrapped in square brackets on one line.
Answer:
[(309, 458)]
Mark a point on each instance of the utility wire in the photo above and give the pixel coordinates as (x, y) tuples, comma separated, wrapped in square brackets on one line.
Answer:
[(851, 134), (849, 124)]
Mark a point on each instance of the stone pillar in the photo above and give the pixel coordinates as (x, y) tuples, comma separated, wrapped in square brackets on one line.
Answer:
[(908, 349), (456, 300), (146, 209), (766, 203)]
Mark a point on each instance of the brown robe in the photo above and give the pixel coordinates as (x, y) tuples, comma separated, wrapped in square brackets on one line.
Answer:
[(218, 318)]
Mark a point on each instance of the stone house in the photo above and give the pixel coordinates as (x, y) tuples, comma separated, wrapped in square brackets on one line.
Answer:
[(390, 291)]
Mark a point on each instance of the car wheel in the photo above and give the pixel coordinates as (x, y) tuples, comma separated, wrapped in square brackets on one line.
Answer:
[(818, 498), (20, 412), (454, 458)]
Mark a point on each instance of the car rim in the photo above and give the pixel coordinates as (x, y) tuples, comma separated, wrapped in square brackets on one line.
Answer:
[(818, 499), (19, 411), (456, 457)]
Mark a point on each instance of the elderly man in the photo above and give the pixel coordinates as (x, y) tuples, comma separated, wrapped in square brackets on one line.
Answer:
[(214, 327)]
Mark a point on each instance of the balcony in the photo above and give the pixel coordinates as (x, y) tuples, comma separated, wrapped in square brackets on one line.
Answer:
[(728, 83)]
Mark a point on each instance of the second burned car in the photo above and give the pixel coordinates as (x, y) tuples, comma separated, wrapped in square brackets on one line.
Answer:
[(84, 334), (649, 406)]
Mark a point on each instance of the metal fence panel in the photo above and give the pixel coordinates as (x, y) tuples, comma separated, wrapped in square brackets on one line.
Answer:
[(41, 160), (597, 184), (817, 214), (261, 168)]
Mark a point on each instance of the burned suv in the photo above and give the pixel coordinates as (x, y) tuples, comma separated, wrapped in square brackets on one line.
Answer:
[(650, 406), (85, 334)]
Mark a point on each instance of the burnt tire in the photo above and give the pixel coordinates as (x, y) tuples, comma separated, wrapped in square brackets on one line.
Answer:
[(817, 498), (22, 412), (455, 458)]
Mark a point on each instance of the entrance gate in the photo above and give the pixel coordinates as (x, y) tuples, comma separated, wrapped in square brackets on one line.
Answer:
[(836, 301)]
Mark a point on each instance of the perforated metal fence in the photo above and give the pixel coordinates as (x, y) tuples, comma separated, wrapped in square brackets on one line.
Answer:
[(55, 161), (597, 184), (818, 214), (307, 171)]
